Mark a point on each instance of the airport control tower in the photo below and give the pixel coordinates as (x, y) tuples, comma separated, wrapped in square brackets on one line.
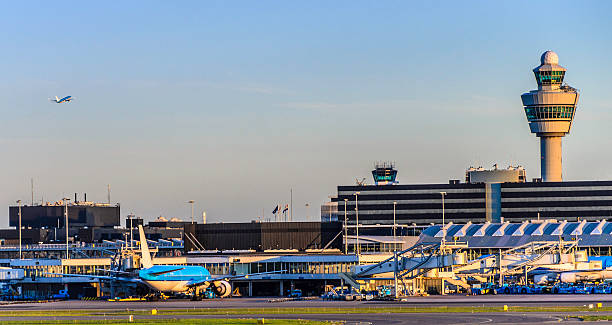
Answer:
[(550, 111)]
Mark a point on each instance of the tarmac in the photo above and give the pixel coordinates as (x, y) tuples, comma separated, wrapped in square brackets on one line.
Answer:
[(372, 317)]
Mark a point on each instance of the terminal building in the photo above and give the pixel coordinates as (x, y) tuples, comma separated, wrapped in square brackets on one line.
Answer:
[(46, 222), (263, 236), (488, 196), (51, 215)]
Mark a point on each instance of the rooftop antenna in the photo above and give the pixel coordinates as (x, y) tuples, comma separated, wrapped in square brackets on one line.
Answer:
[(32, 186), (108, 193)]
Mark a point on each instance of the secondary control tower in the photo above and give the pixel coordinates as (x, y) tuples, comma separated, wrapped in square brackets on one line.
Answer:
[(550, 112)]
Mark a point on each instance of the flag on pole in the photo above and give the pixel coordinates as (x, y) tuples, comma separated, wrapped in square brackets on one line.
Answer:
[(286, 208), (275, 209)]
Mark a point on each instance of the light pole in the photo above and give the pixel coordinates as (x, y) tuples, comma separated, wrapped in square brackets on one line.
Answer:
[(345, 230), (19, 203), (357, 221), (394, 226), (395, 252), (192, 202), (443, 194), (66, 215)]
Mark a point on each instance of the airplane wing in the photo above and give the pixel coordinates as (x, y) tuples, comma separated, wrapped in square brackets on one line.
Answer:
[(543, 270), (166, 272), (228, 277), (116, 271), (101, 277)]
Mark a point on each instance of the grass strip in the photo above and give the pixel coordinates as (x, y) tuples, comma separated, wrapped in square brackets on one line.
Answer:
[(300, 310), (594, 318), (176, 322)]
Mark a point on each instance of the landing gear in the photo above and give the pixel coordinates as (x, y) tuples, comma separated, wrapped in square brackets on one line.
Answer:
[(156, 297)]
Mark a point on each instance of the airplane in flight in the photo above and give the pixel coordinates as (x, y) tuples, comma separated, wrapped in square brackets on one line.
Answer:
[(188, 279), (61, 100)]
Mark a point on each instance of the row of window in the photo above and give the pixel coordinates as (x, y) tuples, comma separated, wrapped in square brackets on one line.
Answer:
[(549, 77), (376, 247), (292, 267), (551, 73), (548, 112), (44, 270), (213, 268)]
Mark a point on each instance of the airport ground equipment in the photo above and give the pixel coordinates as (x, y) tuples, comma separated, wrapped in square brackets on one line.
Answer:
[(410, 263), (447, 262), (62, 294)]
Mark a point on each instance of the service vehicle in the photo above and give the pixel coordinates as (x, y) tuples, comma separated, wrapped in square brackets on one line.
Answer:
[(62, 294), (563, 288)]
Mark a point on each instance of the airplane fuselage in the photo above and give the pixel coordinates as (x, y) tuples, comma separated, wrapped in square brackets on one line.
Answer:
[(62, 100), (173, 278)]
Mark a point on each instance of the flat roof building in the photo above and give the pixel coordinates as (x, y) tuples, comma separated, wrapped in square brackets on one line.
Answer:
[(262, 236), (511, 174), (80, 214), (421, 204)]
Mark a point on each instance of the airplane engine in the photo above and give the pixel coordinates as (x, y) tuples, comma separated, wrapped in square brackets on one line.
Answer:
[(568, 277), (544, 278), (222, 288)]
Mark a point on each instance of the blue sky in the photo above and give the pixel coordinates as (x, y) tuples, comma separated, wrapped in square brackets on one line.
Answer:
[(231, 104)]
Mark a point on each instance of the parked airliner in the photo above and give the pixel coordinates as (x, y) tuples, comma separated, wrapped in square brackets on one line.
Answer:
[(190, 279), (178, 278)]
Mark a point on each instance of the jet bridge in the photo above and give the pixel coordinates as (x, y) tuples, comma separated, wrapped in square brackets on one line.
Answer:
[(419, 257), (447, 261), (409, 263)]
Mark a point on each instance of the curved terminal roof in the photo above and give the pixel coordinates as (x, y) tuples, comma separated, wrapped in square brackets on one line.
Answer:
[(507, 235)]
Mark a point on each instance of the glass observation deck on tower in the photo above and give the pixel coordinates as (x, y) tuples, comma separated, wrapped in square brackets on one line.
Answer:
[(549, 77), (384, 174), (542, 112)]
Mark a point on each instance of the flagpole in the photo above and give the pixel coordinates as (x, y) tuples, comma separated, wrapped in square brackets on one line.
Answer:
[(291, 205)]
